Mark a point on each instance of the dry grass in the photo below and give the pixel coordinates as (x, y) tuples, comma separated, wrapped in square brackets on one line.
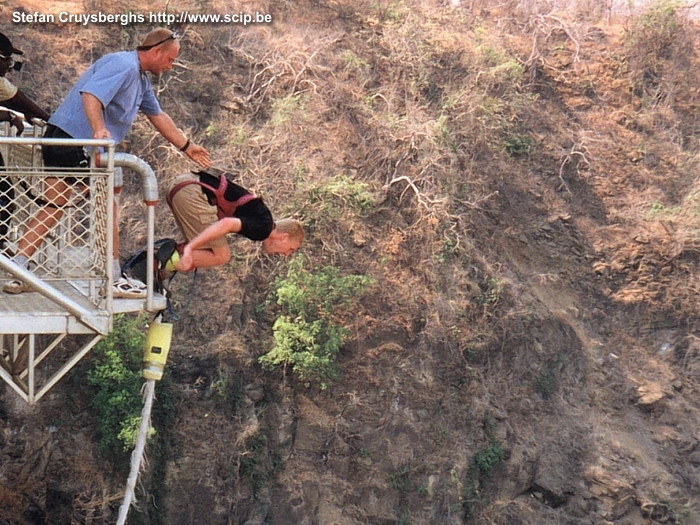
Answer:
[(499, 176), (659, 50)]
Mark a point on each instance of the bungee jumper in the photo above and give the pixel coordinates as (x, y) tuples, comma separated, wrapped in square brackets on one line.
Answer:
[(209, 204)]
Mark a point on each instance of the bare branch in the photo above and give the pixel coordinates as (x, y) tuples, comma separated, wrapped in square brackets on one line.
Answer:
[(422, 199)]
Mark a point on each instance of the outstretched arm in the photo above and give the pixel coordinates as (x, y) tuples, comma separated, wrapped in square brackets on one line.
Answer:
[(20, 102), (166, 127)]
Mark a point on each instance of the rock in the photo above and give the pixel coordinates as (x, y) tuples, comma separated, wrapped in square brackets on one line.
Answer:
[(258, 516), (649, 394), (433, 481), (58, 503), (577, 506), (694, 458), (254, 392), (328, 512), (552, 492), (655, 511), (623, 507), (359, 238)]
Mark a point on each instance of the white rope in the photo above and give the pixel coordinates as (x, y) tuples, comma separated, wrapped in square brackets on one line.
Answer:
[(137, 454)]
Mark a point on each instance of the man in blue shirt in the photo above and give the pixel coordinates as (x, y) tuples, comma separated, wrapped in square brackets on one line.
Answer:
[(102, 105)]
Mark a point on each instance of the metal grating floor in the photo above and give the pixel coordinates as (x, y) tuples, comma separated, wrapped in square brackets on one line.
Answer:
[(32, 313)]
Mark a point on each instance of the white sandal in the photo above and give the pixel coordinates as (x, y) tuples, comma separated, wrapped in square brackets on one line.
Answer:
[(126, 288)]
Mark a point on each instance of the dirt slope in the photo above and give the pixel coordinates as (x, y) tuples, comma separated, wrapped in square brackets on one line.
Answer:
[(529, 351)]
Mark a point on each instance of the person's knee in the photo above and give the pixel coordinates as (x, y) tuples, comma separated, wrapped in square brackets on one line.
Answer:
[(221, 254), (57, 192)]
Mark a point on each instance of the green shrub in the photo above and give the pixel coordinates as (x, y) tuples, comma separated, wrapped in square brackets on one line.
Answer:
[(546, 383), (287, 108), (487, 458), (400, 479), (491, 292), (340, 193), (482, 464), (306, 336), (517, 145), (353, 60), (547, 380), (500, 70), (116, 376), (253, 464), (658, 23)]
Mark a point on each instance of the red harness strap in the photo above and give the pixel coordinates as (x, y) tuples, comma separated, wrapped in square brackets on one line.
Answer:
[(224, 208)]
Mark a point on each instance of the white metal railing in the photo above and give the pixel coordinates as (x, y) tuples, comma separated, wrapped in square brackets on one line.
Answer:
[(78, 249)]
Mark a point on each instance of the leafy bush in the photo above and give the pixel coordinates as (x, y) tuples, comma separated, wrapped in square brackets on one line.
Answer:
[(486, 459), (285, 109), (306, 336), (547, 380), (483, 462), (400, 479), (517, 145), (253, 462), (116, 374), (340, 193)]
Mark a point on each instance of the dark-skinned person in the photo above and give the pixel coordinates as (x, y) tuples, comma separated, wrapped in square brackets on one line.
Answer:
[(15, 99)]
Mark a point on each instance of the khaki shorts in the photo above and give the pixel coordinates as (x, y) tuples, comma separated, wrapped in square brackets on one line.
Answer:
[(193, 213)]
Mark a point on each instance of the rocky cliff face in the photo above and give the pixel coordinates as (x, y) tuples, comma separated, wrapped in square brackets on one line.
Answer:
[(521, 184)]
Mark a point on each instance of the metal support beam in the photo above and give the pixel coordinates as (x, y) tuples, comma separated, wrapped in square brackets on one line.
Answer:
[(67, 367)]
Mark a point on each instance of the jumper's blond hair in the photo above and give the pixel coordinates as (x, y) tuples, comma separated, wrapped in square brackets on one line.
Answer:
[(291, 227)]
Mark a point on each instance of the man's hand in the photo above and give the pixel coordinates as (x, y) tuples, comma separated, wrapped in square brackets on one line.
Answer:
[(166, 127), (198, 154), (17, 122), (186, 262), (101, 133)]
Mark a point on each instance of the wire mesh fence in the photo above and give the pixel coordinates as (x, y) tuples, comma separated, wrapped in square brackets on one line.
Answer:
[(58, 215)]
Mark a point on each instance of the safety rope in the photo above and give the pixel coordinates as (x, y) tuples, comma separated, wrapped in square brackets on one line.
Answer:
[(137, 454)]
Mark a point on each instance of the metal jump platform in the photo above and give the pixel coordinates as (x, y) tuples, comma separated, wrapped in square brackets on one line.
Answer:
[(70, 307)]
